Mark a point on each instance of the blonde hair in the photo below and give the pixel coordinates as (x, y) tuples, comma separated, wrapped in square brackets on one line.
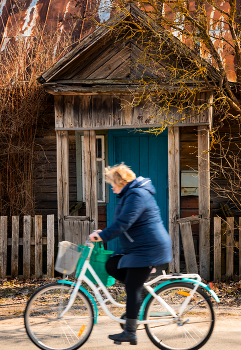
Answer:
[(119, 174)]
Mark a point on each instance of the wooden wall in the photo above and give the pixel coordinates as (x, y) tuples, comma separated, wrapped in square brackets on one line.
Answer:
[(46, 175), (108, 111)]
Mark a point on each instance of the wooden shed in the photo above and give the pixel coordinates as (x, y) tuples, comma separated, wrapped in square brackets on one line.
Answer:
[(93, 85)]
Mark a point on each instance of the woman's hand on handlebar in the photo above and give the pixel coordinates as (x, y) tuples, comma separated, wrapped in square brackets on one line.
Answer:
[(94, 236)]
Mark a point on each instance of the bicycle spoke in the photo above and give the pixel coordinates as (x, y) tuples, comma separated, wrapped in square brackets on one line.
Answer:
[(185, 332), (48, 331)]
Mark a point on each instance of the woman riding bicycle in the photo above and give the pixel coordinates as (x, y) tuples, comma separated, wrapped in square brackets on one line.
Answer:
[(144, 240)]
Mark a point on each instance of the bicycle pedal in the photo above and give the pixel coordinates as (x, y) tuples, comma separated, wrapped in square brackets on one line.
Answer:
[(117, 342)]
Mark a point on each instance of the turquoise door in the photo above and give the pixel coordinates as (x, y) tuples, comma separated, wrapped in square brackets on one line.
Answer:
[(147, 155)]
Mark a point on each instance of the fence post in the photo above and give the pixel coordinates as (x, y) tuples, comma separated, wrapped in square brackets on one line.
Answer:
[(217, 249), (50, 246), (38, 246), (27, 224), (229, 247), (3, 245), (239, 251), (15, 246)]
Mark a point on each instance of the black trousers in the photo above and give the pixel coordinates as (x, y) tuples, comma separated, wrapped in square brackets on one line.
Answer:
[(133, 278)]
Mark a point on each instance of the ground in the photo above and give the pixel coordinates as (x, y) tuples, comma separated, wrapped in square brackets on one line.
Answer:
[(15, 293)]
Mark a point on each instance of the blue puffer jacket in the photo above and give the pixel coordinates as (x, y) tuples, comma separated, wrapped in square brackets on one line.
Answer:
[(138, 224)]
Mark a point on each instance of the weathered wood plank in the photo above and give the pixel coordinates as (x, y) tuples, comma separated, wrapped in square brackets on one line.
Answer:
[(107, 68), (85, 112), (76, 110), (126, 110), (62, 179), (188, 247), (229, 247), (88, 228), (15, 246), (38, 246), (217, 249), (122, 71), (32, 248), (204, 200), (77, 228), (193, 219), (174, 198), (102, 111), (94, 70), (88, 60), (59, 111), (239, 252), (76, 218), (27, 226), (89, 81), (90, 176), (68, 230), (68, 111), (78, 231), (64, 89), (3, 246), (32, 240), (117, 117), (50, 246)]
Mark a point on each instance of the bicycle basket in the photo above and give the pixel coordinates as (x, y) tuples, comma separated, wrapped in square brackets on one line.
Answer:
[(67, 258), (98, 259)]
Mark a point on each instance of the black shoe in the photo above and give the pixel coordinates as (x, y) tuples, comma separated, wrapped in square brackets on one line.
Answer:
[(128, 335)]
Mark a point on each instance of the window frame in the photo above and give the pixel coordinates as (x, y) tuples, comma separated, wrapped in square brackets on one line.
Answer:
[(102, 159)]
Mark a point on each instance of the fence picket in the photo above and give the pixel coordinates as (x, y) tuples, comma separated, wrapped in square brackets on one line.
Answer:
[(15, 246), (3, 246), (217, 249), (229, 247), (38, 246), (27, 225), (50, 246), (239, 251), (188, 247)]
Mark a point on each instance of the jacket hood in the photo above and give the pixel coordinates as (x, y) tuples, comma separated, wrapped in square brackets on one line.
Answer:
[(139, 182)]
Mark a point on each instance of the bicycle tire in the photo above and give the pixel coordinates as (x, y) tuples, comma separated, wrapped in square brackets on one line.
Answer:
[(189, 332), (46, 330)]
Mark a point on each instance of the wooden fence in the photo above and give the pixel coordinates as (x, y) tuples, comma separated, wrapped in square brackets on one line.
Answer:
[(31, 235), (226, 243)]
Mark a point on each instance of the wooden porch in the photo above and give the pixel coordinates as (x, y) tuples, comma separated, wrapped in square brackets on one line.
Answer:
[(93, 86)]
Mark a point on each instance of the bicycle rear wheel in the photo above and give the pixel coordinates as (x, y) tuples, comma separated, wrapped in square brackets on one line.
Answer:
[(191, 330), (46, 329)]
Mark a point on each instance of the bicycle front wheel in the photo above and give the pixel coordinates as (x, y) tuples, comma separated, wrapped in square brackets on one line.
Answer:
[(47, 329), (189, 331)]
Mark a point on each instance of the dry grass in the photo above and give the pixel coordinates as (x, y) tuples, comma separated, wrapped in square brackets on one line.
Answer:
[(22, 112)]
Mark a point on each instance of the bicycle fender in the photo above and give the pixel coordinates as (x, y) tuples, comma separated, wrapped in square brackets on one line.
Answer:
[(148, 297), (87, 294)]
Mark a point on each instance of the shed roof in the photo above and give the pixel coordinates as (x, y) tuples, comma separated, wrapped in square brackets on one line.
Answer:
[(105, 57)]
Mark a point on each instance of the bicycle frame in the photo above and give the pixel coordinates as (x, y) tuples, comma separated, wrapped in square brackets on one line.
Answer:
[(191, 278)]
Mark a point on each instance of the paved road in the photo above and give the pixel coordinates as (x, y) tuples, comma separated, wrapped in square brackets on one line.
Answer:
[(226, 336)]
